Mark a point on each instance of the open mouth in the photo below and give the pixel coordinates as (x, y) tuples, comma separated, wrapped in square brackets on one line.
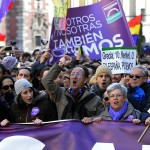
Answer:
[(115, 102), (74, 83), (104, 83)]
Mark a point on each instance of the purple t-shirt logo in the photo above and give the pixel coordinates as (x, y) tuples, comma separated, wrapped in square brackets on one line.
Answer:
[(34, 111)]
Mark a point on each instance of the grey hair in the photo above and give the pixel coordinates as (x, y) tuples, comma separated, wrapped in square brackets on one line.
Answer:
[(115, 86), (143, 68)]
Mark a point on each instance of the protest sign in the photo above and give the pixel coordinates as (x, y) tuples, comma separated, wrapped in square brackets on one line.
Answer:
[(96, 26), (119, 60)]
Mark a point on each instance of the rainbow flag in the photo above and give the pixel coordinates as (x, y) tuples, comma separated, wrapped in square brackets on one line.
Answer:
[(135, 26), (60, 13)]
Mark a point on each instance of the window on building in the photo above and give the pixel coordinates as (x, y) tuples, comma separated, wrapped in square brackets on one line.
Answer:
[(38, 40), (88, 2), (74, 3), (143, 13)]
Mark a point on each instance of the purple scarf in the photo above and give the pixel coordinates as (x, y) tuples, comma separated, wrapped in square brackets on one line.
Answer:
[(117, 115)]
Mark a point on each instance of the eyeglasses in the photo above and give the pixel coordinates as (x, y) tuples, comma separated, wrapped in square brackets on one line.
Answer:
[(106, 98), (76, 74), (65, 77), (118, 96), (6, 87), (136, 76)]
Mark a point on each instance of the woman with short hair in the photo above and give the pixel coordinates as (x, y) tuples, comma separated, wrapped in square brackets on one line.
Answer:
[(119, 109)]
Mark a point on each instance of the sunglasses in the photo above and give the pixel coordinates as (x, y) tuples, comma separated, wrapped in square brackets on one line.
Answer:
[(6, 87), (136, 76), (106, 98)]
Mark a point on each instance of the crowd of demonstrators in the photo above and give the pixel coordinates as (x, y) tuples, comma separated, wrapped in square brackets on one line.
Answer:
[(31, 90)]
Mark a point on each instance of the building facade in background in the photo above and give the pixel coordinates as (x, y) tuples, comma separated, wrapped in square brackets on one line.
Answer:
[(30, 20)]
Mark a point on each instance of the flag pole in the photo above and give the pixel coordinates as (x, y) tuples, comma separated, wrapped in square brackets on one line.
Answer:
[(66, 29), (143, 133)]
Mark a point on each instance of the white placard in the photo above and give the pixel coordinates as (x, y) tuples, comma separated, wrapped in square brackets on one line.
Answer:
[(119, 60)]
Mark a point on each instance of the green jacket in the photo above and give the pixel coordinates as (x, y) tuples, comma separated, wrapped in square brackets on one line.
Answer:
[(59, 95)]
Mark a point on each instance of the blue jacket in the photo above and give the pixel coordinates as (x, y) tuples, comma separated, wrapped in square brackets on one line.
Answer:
[(137, 97)]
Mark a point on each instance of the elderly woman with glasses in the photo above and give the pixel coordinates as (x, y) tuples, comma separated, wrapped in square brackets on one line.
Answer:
[(119, 108)]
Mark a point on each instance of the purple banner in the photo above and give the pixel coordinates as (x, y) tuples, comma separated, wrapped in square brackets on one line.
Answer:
[(93, 27), (74, 135)]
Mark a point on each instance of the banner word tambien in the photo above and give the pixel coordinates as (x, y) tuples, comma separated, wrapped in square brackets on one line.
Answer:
[(92, 30), (74, 135), (119, 60)]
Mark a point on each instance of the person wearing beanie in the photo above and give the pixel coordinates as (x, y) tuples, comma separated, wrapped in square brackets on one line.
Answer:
[(28, 107), (9, 62), (103, 78)]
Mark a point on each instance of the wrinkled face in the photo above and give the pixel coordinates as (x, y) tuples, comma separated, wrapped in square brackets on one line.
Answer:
[(116, 99), (137, 77), (24, 73), (77, 79), (7, 86), (103, 80), (116, 78), (27, 95)]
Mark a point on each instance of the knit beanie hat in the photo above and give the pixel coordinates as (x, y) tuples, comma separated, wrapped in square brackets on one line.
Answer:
[(9, 62), (103, 69), (22, 84)]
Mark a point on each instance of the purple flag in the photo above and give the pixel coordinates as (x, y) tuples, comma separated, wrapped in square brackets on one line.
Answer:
[(4, 8), (74, 135), (96, 26)]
